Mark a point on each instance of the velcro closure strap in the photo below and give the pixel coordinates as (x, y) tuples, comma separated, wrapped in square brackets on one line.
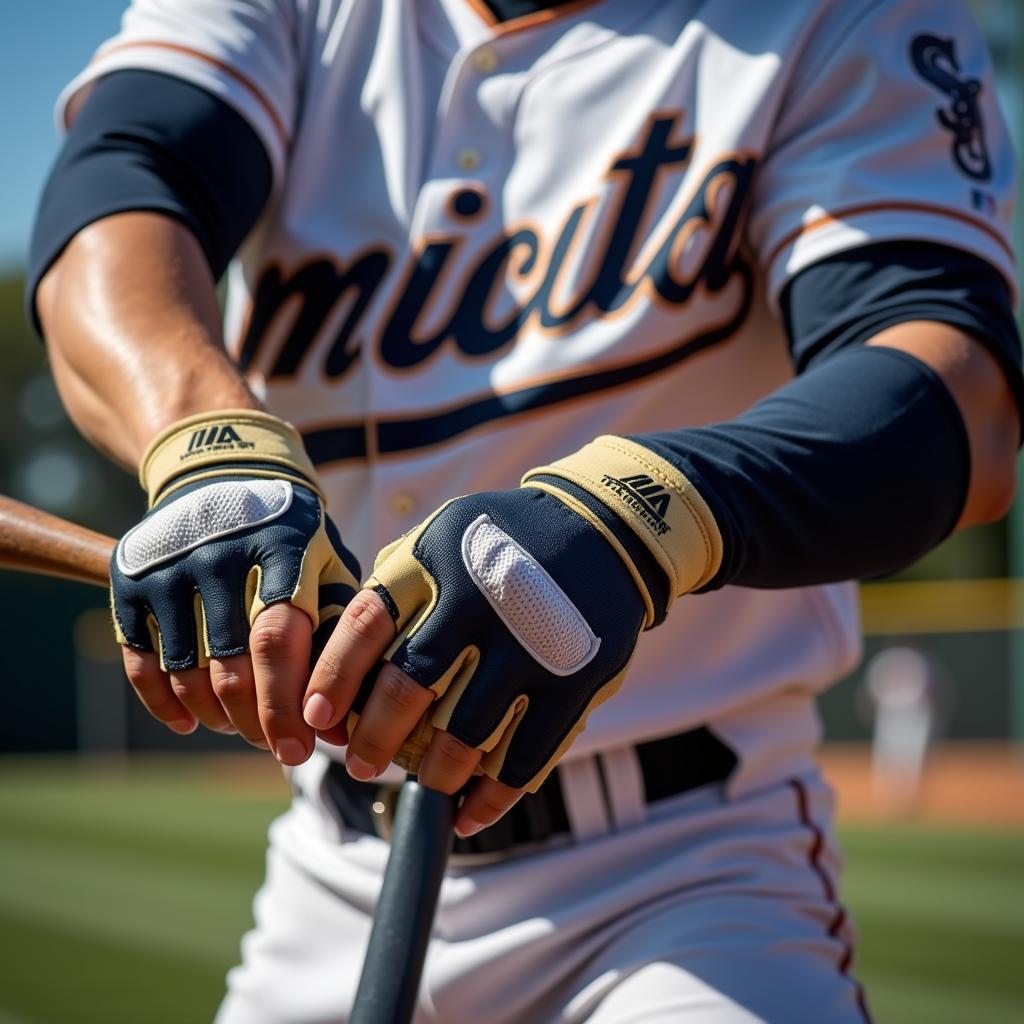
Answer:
[(221, 438), (654, 499)]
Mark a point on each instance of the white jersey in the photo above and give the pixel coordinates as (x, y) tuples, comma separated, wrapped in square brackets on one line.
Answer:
[(489, 243)]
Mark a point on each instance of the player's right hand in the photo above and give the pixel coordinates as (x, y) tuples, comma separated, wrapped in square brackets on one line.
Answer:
[(506, 617), (217, 592)]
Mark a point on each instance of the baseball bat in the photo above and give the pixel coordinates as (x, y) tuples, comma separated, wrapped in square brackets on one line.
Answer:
[(393, 965), (37, 542)]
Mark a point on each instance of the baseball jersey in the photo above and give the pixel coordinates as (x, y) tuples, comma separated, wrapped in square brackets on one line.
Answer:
[(489, 243)]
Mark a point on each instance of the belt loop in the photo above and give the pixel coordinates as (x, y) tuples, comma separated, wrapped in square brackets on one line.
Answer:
[(584, 800), (625, 785)]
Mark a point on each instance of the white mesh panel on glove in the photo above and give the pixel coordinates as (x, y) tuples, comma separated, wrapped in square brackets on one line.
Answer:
[(533, 606), (202, 515)]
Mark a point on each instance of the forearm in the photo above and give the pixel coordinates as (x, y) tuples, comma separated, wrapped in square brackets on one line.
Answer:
[(985, 402), (132, 326), (859, 466)]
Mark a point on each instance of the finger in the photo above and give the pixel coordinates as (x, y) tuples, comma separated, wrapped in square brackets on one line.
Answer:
[(362, 635), (153, 688), (394, 707), (448, 763), (192, 687), (279, 643), (234, 685), (337, 735), (487, 801)]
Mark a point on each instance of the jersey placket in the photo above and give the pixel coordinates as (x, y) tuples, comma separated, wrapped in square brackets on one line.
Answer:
[(469, 155)]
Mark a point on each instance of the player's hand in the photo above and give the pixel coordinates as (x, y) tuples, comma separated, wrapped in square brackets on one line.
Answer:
[(516, 612), (217, 592)]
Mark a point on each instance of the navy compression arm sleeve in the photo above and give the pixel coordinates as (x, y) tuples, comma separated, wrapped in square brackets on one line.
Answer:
[(147, 141), (854, 469), (860, 465), (852, 296)]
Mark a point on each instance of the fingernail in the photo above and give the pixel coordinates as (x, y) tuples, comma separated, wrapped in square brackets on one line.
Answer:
[(290, 751), (227, 730), (468, 827), (318, 711), (360, 769), (183, 726)]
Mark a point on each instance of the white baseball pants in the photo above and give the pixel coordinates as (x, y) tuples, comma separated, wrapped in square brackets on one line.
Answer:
[(698, 909)]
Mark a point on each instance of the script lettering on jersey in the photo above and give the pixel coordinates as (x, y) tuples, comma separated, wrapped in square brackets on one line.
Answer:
[(695, 248), (935, 61)]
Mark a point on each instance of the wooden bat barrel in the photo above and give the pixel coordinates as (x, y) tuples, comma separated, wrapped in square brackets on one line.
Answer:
[(35, 541)]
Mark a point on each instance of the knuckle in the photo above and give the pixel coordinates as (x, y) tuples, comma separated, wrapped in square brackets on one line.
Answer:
[(137, 665), (401, 692), (370, 750), (492, 808), (453, 750), (275, 711), (184, 689), (133, 659), (280, 614), (366, 618), (269, 639), (231, 687), (331, 667)]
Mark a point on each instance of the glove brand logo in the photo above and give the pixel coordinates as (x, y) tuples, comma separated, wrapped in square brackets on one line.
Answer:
[(935, 61), (644, 496), (217, 438)]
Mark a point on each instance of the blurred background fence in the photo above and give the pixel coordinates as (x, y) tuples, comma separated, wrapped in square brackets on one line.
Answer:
[(108, 862)]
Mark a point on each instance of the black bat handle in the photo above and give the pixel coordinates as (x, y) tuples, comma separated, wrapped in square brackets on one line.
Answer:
[(420, 842)]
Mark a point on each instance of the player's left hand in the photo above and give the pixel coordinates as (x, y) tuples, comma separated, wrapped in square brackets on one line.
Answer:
[(516, 612)]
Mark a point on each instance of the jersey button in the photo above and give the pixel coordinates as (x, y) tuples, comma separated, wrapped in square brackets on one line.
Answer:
[(403, 503), (468, 159), (485, 61)]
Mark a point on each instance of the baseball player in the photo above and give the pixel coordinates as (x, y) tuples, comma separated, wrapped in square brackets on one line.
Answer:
[(616, 337)]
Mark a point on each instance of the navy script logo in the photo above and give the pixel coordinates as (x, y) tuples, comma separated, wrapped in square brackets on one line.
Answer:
[(935, 61), (321, 293)]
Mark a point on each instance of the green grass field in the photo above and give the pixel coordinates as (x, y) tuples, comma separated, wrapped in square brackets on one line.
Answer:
[(123, 893)]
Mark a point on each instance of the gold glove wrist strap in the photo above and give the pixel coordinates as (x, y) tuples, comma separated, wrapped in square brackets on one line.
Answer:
[(217, 439), (656, 501)]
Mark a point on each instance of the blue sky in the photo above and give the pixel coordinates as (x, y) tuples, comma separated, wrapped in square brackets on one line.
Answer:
[(43, 43)]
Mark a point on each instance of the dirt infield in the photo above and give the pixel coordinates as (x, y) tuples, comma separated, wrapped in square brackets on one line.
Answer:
[(962, 784)]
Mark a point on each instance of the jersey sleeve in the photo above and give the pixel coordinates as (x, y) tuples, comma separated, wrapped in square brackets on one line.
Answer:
[(242, 51), (889, 130)]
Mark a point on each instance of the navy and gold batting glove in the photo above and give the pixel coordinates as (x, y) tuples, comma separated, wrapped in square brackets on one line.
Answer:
[(236, 522), (521, 609)]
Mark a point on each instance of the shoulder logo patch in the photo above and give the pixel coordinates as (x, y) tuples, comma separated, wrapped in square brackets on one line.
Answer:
[(645, 496), (935, 61)]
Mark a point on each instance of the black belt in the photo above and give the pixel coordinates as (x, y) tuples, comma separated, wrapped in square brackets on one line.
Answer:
[(669, 766)]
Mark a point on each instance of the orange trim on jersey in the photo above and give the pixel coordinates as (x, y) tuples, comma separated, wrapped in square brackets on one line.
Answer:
[(502, 28), (828, 219), (243, 80)]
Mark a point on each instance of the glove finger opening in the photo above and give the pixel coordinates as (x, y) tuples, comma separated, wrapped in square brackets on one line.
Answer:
[(222, 619), (132, 625), (179, 629)]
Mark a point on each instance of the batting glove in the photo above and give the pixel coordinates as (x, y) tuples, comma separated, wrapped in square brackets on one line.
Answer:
[(521, 609), (236, 522)]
